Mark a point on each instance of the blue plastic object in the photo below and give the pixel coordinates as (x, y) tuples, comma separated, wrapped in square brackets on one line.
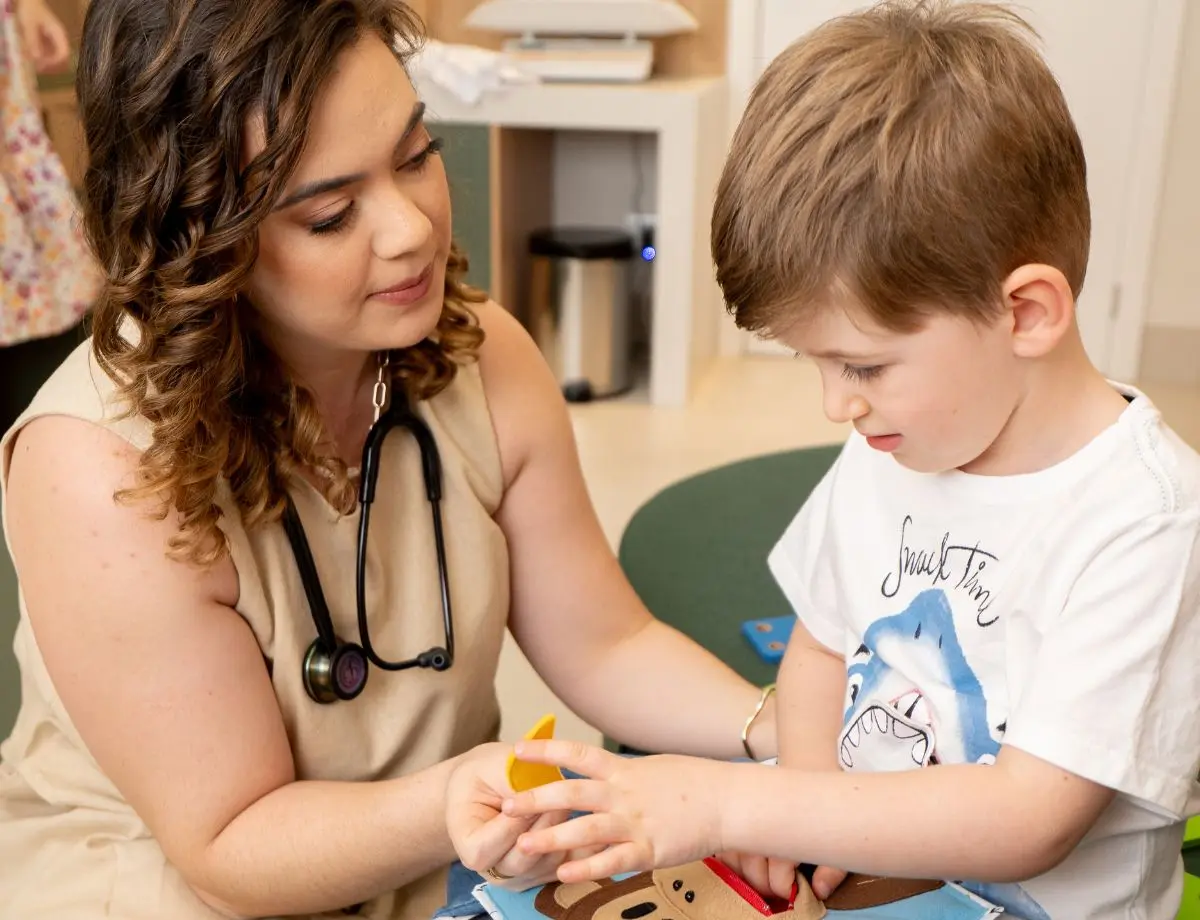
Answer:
[(769, 637)]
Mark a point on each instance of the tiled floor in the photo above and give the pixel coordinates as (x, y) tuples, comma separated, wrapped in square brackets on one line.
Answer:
[(629, 450)]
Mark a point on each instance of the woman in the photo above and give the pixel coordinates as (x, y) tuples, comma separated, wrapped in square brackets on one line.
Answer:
[(274, 222), (47, 280)]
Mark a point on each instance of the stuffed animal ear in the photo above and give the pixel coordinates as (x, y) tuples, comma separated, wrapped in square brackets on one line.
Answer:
[(859, 892), (632, 896), (555, 899)]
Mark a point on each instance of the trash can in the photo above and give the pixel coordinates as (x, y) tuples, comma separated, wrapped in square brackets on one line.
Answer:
[(579, 308)]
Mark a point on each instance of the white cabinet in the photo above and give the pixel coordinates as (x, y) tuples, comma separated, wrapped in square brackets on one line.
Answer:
[(1116, 61), (684, 115)]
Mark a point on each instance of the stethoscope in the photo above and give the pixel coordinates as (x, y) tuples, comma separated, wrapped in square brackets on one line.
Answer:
[(337, 670)]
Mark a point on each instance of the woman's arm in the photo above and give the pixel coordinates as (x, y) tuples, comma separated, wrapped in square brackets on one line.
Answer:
[(574, 614), (167, 686)]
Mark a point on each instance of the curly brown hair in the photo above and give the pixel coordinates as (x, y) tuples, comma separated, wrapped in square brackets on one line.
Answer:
[(166, 91)]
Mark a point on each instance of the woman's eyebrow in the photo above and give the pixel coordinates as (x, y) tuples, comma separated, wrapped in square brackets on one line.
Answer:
[(321, 186)]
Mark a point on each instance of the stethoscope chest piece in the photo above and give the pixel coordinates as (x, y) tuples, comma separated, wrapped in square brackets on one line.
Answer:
[(337, 675)]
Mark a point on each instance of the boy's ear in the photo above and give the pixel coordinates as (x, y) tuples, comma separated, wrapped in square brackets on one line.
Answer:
[(1042, 307)]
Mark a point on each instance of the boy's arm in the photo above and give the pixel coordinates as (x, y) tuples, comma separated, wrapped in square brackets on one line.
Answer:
[(1010, 821), (811, 684), (1006, 822), (811, 689)]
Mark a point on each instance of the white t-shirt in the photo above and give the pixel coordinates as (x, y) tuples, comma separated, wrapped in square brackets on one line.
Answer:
[(1057, 612)]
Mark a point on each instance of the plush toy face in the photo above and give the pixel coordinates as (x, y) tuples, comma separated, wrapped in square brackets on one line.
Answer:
[(710, 890)]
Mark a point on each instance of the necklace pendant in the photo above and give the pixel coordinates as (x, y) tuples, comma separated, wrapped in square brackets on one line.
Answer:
[(379, 393)]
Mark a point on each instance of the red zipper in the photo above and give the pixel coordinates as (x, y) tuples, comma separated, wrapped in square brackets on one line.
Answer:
[(747, 891)]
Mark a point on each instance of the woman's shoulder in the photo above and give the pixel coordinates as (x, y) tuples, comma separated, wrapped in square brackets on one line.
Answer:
[(507, 347), (74, 448), (528, 412), (76, 401), (80, 388), (61, 480)]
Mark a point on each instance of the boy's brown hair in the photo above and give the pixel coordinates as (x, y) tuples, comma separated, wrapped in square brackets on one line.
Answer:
[(904, 159)]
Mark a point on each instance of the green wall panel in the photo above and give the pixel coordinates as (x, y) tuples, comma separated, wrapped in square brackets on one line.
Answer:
[(466, 155)]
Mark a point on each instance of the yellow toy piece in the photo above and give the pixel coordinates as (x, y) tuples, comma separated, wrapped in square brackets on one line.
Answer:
[(522, 775)]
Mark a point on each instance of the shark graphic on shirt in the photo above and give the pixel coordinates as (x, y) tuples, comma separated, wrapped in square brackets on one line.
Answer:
[(893, 723), (886, 710)]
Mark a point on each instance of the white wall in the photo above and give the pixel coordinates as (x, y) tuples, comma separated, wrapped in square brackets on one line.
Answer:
[(1175, 273), (601, 177)]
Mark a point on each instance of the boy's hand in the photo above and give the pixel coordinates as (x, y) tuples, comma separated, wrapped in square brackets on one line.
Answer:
[(826, 881), (484, 838), (644, 812), (770, 876)]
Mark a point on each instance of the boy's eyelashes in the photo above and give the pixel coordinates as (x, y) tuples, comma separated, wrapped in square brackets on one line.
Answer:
[(862, 373), (857, 372)]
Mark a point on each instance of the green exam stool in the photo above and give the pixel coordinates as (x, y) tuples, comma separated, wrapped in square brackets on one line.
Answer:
[(1189, 909), (696, 553)]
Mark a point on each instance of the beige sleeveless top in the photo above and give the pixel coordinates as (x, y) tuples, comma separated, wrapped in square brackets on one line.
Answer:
[(70, 847)]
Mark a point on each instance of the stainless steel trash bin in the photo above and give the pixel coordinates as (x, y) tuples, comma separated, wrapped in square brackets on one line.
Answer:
[(579, 308)]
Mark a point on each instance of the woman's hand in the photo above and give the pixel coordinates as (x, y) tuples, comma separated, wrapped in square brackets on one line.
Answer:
[(42, 36), (484, 838), (644, 812)]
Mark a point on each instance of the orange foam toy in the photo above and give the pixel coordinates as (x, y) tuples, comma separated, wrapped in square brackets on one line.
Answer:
[(523, 775)]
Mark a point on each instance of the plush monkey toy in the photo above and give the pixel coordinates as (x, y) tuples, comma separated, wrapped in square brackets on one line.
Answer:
[(710, 890), (703, 890)]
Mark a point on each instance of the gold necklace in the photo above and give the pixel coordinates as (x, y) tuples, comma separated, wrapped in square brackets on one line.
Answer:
[(379, 393)]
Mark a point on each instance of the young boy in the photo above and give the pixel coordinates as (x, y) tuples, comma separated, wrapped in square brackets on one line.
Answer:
[(995, 675)]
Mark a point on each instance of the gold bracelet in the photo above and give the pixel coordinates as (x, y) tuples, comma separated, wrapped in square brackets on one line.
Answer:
[(762, 701)]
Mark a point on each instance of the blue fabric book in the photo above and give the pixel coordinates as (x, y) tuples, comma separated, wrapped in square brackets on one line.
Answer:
[(709, 890)]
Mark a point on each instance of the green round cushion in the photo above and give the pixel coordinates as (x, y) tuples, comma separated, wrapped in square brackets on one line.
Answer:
[(696, 553)]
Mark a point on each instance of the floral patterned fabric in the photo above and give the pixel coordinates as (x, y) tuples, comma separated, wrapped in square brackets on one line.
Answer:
[(47, 277)]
